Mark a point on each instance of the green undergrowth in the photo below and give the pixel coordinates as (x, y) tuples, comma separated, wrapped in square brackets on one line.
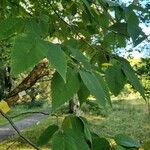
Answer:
[(128, 117)]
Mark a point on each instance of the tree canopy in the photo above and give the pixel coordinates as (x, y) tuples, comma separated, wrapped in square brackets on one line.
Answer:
[(79, 38)]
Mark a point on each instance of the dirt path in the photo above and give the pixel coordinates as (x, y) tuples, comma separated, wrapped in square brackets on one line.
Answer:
[(6, 131)]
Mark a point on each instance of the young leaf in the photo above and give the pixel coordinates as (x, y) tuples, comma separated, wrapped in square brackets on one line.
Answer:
[(61, 91), (115, 78), (4, 106), (68, 140), (26, 53), (126, 141), (94, 86), (131, 77), (47, 135), (56, 56)]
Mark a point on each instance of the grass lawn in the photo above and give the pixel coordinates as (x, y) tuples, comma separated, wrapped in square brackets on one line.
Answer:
[(127, 116)]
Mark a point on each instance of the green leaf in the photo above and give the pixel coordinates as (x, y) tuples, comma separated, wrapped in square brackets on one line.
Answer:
[(105, 88), (119, 13), (133, 28), (139, 8), (104, 20), (100, 143), (80, 57), (77, 124), (34, 26), (131, 77), (47, 135), (10, 26), (83, 93), (94, 86), (26, 53), (126, 141), (142, 37), (109, 40), (57, 58), (68, 140), (115, 78), (87, 132), (61, 91), (91, 29), (87, 5), (120, 28), (131, 17), (74, 123), (121, 41)]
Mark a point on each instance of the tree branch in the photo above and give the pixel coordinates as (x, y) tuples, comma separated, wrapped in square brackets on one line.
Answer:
[(39, 71), (17, 130)]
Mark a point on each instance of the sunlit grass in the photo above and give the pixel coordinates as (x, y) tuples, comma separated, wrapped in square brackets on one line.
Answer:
[(17, 146), (129, 117)]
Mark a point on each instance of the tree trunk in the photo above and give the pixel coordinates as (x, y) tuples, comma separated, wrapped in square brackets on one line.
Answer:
[(71, 106), (39, 71)]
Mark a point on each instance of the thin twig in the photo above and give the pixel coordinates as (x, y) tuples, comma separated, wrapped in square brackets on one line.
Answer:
[(30, 112), (17, 130)]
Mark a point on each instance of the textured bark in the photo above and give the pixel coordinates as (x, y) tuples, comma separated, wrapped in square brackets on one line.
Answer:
[(39, 71), (71, 106)]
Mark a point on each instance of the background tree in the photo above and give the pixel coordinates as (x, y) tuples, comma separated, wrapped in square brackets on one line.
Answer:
[(143, 71)]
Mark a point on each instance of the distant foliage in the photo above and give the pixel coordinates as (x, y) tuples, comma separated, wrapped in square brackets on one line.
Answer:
[(143, 70)]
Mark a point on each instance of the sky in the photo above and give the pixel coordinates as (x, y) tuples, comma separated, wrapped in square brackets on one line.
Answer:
[(146, 30), (137, 54)]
